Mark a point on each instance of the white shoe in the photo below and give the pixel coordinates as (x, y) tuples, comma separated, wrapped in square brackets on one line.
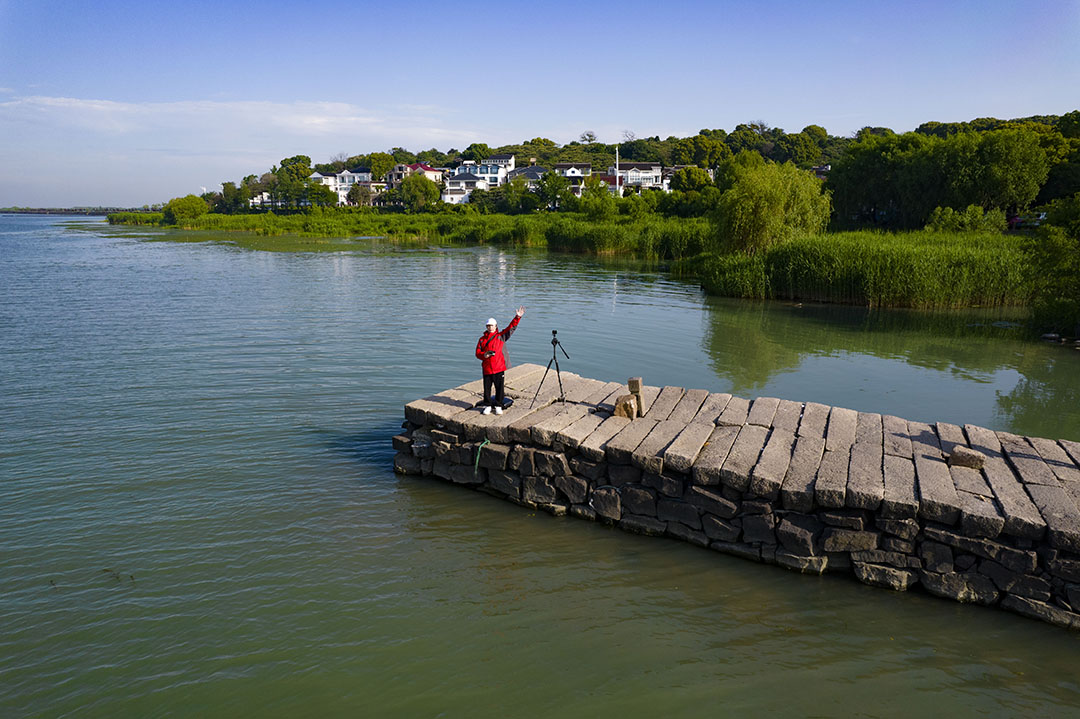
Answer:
[(487, 410), (498, 410)]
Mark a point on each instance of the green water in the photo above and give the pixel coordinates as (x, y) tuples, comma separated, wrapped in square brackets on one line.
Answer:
[(198, 517)]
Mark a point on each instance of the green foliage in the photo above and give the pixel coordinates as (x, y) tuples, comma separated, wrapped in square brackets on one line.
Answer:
[(972, 219), (1055, 257), (136, 218), (477, 152), (418, 192), (182, 210), (911, 269), (690, 178), (380, 163), (359, 195), (768, 204)]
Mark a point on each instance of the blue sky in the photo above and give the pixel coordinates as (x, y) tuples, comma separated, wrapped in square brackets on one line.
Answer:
[(129, 103)]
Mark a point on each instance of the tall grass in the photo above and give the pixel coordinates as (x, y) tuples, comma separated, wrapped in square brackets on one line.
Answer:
[(910, 269), (136, 218)]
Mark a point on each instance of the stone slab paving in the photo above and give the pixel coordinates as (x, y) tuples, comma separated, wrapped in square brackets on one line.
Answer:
[(688, 463)]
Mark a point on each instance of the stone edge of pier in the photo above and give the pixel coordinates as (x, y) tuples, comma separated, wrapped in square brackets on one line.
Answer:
[(964, 513)]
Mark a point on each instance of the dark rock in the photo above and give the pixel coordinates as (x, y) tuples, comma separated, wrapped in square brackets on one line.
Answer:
[(1015, 559), (847, 520), (806, 565), (891, 559), (888, 577), (673, 510), (848, 540), (678, 530), (508, 483), (838, 561), (1032, 588), (797, 540), (895, 544), (965, 562), (551, 464), (1072, 591), (1041, 610), (494, 456), (712, 502), (406, 463), (903, 528), (620, 474), (537, 489), (720, 530), (443, 449), (1067, 569), (438, 435), (521, 460), (638, 500), (668, 486), (759, 528), (576, 489), (427, 467), (969, 587), (730, 494), (768, 553), (402, 443), (643, 525), (582, 511), (587, 469), (606, 502), (755, 507), (441, 469), (465, 474), (936, 557), (739, 550), (557, 509)]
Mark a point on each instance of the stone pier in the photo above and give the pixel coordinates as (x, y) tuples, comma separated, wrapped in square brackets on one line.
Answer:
[(964, 513)]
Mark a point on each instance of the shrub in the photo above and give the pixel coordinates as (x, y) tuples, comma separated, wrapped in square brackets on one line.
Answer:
[(184, 209), (972, 219)]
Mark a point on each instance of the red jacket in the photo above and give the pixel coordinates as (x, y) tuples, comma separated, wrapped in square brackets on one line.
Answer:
[(493, 342)]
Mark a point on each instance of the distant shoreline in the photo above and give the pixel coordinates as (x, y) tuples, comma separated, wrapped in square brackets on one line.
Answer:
[(102, 211)]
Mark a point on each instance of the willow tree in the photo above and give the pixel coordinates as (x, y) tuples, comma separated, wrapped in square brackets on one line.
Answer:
[(768, 203)]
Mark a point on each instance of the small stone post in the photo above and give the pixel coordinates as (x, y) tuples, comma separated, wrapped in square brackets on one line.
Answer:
[(634, 385)]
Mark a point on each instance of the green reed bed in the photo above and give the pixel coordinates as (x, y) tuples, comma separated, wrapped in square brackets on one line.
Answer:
[(136, 218), (911, 269)]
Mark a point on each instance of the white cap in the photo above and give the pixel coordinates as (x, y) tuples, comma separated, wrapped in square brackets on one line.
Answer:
[(491, 321)]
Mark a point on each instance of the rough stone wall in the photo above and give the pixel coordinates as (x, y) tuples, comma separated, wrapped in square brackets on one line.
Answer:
[(749, 512)]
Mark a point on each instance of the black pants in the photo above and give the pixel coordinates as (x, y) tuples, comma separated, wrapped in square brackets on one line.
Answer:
[(497, 380)]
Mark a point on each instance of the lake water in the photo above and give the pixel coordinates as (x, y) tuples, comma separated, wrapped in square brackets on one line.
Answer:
[(198, 515)]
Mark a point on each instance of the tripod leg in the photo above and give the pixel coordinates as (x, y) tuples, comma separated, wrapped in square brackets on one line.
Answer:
[(542, 382), (562, 395)]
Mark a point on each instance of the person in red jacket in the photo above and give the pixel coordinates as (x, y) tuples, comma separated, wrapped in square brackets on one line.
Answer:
[(489, 350)]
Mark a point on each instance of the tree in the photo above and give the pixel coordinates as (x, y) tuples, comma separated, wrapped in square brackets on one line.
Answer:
[(770, 203), (235, 199), (418, 192), (359, 195), (1055, 257), (690, 179), (381, 163), (184, 209), (553, 190), (798, 148), (699, 150), (1069, 124), (319, 195), (817, 134), (477, 152), (588, 137), (596, 199)]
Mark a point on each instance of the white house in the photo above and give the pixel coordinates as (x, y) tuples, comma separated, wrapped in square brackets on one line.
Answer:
[(460, 185), (530, 174), (398, 174), (343, 181), (639, 175), (495, 170), (575, 172)]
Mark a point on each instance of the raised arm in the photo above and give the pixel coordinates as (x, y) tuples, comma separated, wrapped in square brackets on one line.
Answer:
[(513, 323)]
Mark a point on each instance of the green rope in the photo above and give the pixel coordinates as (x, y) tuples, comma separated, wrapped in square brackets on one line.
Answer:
[(476, 467)]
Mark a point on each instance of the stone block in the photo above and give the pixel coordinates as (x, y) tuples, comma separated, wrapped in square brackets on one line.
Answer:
[(606, 502), (441, 469), (582, 511), (438, 435), (796, 536), (620, 474), (890, 559), (638, 500), (406, 463), (521, 460), (936, 557), (806, 565), (678, 530), (465, 474), (710, 460), (538, 489), (588, 470), (888, 577), (966, 457), (444, 449), (1042, 611), (634, 384), (753, 506), (903, 528), (847, 520), (839, 561), (551, 464), (673, 510), (508, 483), (667, 486), (712, 502), (1067, 569), (738, 550), (718, 529), (1018, 560), (759, 528), (626, 406), (427, 467), (643, 525), (895, 544), (967, 588), (576, 489), (402, 443), (494, 456), (848, 540)]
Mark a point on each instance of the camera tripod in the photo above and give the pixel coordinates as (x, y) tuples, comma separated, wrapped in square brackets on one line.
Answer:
[(554, 358)]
